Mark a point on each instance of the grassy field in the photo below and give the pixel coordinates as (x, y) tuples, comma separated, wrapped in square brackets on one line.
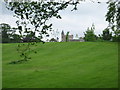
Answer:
[(63, 65), (0, 66)]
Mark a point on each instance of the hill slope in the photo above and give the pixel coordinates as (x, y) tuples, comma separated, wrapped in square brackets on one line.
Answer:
[(63, 65)]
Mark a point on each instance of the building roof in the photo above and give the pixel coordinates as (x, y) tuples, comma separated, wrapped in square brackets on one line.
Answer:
[(62, 32)]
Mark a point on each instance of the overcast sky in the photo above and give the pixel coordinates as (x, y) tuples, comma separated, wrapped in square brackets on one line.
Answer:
[(76, 22)]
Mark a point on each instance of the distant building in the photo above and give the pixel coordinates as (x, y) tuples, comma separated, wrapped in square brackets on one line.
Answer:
[(63, 36), (70, 38), (81, 39)]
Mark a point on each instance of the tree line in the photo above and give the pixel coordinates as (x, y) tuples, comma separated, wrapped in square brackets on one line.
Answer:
[(9, 35), (105, 36)]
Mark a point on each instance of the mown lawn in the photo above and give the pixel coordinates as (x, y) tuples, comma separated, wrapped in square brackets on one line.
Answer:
[(63, 65)]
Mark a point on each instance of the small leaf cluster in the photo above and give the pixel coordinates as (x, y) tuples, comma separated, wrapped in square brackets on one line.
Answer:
[(113, 16)]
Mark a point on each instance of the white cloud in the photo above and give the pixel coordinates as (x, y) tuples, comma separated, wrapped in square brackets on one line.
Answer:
[(9, 19), (76, 22)]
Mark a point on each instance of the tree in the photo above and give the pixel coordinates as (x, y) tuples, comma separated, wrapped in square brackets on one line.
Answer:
[(36, 14), (5, 30), (14, 37), (30, 37), (67, 36), (9, 34), (89, 34), (113, 17), (53, 40), (106, 34)]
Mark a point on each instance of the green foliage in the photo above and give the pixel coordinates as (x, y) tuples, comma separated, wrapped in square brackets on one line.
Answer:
[(116, 38), (113, 17), (30, 37), (24, 51), (53, 40), (67, 36), (5, 29), (106, 35), (9, 34), (89, 34), (16, 38)]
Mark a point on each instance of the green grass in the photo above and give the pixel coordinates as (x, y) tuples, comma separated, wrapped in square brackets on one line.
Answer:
[(0, 66), (63, 65)]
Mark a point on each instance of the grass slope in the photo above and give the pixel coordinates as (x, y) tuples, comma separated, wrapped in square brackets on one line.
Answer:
[(63, 65)]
